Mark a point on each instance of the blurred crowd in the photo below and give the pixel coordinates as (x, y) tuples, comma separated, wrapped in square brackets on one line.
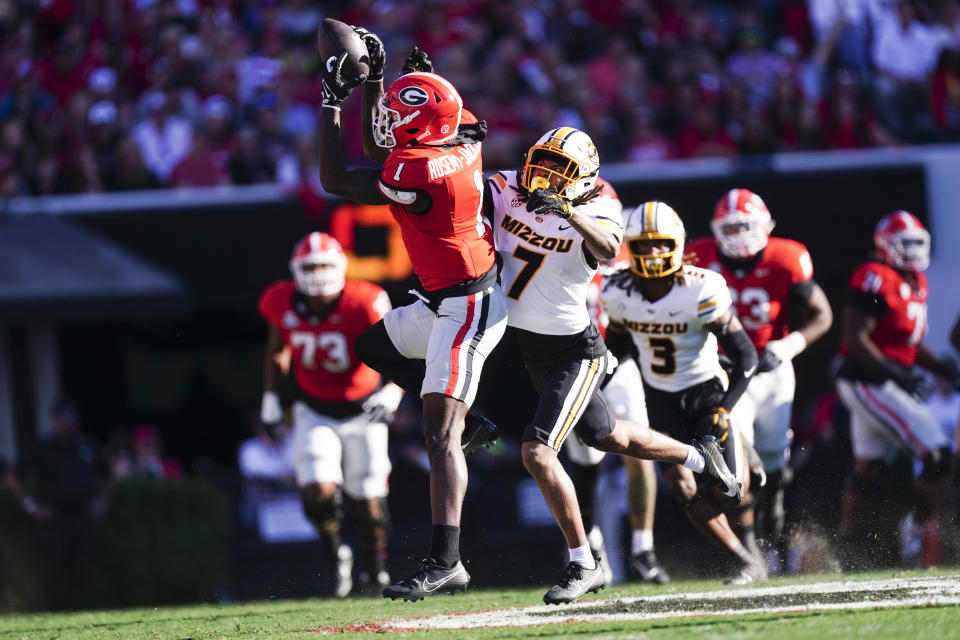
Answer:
[(114, 95)]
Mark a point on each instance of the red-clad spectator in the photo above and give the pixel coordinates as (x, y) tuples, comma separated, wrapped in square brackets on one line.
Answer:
[(199, 168), (147, 455), (704, 136), (65, 72), (647, 146)]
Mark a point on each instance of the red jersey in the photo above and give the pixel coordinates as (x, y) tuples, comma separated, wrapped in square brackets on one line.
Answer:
[(596, 286), (452, 242), (759, 295), (900, 309), (326, 366)]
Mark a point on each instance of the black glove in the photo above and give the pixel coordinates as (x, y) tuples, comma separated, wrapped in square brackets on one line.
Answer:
[(545, 201), (335, 88), (904, 378), (376, 55), (768, 361), (716, 423), (417, 61)]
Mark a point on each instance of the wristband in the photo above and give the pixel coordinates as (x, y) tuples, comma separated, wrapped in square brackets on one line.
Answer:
[(270, 410), (788, 347)]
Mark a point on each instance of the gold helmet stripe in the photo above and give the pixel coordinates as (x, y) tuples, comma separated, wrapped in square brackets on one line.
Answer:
[(649, 217)]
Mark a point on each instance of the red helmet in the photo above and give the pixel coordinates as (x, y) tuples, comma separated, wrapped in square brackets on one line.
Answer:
[(902, 242), (741, 224), (418, 108), (319, 265)]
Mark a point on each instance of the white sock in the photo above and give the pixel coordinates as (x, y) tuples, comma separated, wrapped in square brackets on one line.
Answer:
[(583, 557), (640, 541), (694, 461)]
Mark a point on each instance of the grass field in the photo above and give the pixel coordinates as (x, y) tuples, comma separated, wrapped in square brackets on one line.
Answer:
[(914, 606)]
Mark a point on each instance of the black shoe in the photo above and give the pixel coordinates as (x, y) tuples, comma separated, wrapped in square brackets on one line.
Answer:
[(574, 582), (429, 580), (645, 566), (478, 433), (716, 470)]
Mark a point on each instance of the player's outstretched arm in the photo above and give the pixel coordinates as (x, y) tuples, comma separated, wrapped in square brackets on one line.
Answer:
[(359, 185), (372, 93), (599, 239)]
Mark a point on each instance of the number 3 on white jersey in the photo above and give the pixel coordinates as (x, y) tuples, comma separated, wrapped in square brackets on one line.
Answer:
[(333, 344)]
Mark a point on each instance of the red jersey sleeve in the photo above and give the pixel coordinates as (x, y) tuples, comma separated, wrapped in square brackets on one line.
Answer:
[(275, 301), (700, 252), (869, 279), (374, 300), (795, 259)]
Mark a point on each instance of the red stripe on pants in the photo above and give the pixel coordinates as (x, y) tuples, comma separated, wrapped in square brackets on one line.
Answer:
[(457, 343)]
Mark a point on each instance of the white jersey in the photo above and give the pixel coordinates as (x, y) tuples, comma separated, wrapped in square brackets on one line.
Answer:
[(676, 350), (545, 272)]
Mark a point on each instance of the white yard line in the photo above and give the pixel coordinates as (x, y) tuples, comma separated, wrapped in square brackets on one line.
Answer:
[(868, 594)]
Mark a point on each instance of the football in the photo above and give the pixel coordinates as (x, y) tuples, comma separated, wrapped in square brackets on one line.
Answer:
[(335, 37)]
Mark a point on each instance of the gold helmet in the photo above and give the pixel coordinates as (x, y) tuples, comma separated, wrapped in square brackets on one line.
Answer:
[(654, 221), (573, 151)]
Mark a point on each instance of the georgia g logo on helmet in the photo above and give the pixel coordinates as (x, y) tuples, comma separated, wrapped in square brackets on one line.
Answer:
[(413, 96)]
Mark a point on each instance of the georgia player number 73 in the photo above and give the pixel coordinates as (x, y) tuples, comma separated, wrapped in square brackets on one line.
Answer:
[(331, 344)]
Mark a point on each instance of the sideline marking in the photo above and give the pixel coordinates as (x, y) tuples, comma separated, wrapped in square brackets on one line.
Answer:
[(851, 594)]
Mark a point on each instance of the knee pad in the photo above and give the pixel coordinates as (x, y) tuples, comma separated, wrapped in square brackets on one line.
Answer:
[(936, 464), (323, 514)]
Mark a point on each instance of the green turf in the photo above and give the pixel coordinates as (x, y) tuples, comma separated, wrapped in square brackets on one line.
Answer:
[(302, 619)]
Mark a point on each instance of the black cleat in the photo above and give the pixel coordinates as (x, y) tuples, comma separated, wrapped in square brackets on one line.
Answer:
[(716, 470), (645, 567), (574, 582), (429, 580), (478, 433)]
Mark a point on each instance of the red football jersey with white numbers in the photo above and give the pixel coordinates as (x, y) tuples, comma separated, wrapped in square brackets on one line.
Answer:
[(326, 366), (759, 295), (903, 323), (452, 242)]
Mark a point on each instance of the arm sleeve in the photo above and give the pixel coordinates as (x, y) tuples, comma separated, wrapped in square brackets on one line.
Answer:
[(799, 292), (740, 349), (866, 292)]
